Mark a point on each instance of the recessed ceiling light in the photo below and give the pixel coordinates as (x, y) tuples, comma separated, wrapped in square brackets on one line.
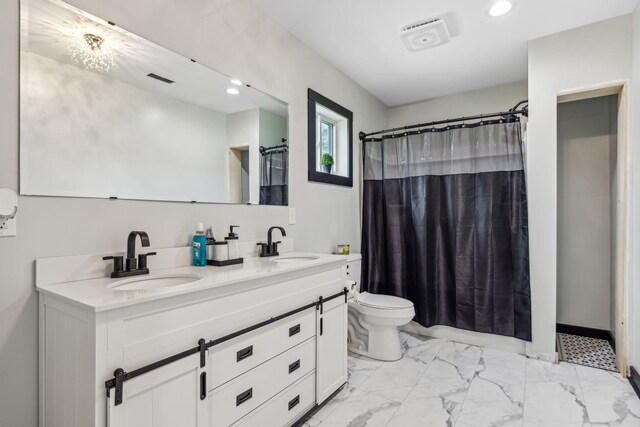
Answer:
[(233, 91), (500, 8), (236, 82)]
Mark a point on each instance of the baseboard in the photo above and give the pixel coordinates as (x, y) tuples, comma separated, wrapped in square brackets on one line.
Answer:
[(587, 332), (634, 379)]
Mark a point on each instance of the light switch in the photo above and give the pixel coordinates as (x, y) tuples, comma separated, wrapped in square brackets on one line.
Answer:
[(292, 216)]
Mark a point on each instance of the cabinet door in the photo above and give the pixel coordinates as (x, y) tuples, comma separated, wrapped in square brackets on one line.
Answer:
[(165, 397), (331, 348)]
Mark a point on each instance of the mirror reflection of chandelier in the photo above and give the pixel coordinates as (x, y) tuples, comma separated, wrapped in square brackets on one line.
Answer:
[(92, 51)]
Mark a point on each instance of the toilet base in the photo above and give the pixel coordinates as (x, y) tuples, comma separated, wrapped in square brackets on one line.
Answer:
[(384, 344)]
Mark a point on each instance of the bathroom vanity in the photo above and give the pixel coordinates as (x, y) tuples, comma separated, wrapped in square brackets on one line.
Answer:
[(259, 344)]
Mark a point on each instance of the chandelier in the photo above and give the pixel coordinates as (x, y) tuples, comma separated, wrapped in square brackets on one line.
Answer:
[(92, 51)]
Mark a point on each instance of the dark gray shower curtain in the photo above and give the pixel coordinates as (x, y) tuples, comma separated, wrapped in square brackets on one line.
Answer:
[(445, 226), (274, 178)]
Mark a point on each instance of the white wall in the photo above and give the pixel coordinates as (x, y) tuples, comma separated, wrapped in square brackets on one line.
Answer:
[(111, 138), (585, 233), (581, 57), (487, 100), (273, 128), (233, 37), (633, 300)]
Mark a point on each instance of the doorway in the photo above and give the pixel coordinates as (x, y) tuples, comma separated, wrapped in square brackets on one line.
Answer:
[(239, 174), (589, 220)]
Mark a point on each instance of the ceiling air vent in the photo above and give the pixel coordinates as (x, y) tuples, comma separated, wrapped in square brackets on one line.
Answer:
[(162, 79), (424, 35)]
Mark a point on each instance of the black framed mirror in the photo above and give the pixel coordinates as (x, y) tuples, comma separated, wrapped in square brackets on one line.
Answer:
[(330, 128)]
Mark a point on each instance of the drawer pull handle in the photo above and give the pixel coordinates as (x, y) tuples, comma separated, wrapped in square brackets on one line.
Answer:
[(294, 330), (293, 402), (244, 353), (243, 397), (294, 366), (203, 386)]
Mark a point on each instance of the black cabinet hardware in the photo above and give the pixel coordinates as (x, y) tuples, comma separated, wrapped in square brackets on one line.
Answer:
[(132, 266), (294, 366), (203, 386), (293, 402), (120, 376), (321, 322), (294, 330), (244, 353), (202, 347), (244, 396), (271, 248)]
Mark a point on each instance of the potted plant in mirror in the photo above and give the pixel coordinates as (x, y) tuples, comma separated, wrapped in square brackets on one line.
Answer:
[(326, 161)]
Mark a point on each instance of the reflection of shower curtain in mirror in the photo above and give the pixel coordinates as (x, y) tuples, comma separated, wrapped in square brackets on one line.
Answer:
[(274, 184)]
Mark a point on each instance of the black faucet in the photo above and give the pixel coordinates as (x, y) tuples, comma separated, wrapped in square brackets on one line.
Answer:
[(271, 248), (133, 267)]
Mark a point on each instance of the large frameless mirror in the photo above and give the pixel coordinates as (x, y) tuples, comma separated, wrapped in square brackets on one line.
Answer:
[(330, 128), (108, 114)]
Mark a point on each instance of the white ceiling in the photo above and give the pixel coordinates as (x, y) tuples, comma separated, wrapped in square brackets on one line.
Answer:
[(52, 25), (360, 37)]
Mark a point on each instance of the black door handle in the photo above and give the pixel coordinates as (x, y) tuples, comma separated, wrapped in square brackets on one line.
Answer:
[(293, 402), (294, 366), (294, 330), (244, 353), (321, 326), (244, 396), (203, 386)]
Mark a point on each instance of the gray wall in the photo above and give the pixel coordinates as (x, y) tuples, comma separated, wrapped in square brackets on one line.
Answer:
[(233, 37), (586, 217), (487, 100), (578, 58), (633, 294)]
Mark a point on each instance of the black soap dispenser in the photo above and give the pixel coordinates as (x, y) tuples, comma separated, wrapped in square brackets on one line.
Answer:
[(232, 241)]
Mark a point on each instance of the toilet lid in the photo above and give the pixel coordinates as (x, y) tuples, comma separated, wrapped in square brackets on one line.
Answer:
[(383, 301)]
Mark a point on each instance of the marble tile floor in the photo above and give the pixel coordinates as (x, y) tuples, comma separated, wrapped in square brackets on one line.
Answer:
[(444, 383)]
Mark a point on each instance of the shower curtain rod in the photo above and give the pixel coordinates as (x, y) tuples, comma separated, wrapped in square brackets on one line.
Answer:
[(512, 112), (283, 148)]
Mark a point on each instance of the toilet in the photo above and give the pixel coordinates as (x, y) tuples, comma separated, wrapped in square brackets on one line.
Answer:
[(373, 324)]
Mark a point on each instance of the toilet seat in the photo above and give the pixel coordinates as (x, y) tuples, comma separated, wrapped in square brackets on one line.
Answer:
[(383, 302)]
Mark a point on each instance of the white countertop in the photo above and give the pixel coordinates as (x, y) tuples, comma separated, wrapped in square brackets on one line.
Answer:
[(95, 294)]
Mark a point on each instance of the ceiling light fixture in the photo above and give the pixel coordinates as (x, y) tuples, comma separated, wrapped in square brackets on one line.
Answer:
[(500, 8), (92, 51), (232, 91), (236, 82)]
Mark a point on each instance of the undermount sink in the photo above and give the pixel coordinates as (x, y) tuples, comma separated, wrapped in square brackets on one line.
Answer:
[(156, 281), (293, 259)]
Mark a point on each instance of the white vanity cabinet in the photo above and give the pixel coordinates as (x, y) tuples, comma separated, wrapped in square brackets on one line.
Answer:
[(165, 397), (331, 348), (276, 346)]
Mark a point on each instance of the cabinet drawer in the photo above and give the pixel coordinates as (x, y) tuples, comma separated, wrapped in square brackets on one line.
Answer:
[(242, 395), (234, 357), (285, 408)]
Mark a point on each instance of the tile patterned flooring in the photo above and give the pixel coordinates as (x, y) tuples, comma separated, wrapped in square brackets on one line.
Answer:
[(444, 383)]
